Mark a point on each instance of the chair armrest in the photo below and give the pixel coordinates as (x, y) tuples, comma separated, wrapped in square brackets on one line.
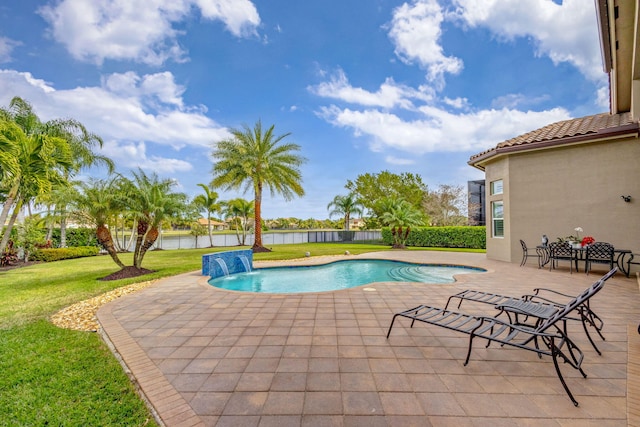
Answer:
[(492, 321), (538, 290)]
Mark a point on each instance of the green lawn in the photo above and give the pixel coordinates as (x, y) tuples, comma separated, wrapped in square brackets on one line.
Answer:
[(53, 376)]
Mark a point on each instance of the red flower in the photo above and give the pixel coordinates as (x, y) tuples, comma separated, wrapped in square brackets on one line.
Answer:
[(587, 240)]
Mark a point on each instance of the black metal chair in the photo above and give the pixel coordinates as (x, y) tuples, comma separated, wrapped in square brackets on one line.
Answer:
[(599, 253), (562, 251), (526, 254), (550, 331)]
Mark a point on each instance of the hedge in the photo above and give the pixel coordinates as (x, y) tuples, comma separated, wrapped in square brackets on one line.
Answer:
[(472, 237), (76, 237), (57, 254)]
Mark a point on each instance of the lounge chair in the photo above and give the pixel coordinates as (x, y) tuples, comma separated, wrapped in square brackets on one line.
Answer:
[(534, 305), (493, 329)]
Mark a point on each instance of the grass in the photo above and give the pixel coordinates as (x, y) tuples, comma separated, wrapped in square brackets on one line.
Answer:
[(52, 376)]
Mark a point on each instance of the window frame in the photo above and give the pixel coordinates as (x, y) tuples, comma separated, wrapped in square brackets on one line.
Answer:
[(494, 184), (497, 219)]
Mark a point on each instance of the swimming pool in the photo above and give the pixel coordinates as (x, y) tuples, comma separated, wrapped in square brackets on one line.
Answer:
[(337, 275)]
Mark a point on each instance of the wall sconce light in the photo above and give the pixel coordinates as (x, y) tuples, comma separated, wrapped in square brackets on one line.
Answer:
[(626, 198)]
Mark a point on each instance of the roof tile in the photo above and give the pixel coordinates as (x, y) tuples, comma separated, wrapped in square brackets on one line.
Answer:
[(565, 129)]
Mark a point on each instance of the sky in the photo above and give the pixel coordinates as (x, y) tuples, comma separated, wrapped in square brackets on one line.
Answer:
[(362, 86)]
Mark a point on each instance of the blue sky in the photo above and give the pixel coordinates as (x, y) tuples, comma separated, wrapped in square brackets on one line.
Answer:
[(362, 85)]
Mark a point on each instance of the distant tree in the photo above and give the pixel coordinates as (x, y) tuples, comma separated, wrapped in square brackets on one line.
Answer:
[(198, 230), (253, 158), (400, 217), (446, 206), (370, 189), (239, 212), (345, 206), (209, 203)]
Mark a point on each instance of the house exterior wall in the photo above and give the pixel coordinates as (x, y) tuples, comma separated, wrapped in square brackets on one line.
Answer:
[(498, 247), (553, 191)]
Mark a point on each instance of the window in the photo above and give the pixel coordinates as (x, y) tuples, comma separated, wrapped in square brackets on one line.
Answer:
[(497, 217), (496, 187)]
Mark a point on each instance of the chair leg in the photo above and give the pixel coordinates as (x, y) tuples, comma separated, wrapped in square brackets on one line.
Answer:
[(554, 355), (391, 326)]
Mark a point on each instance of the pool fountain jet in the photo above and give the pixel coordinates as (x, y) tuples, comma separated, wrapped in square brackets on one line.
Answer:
[(225, 263)]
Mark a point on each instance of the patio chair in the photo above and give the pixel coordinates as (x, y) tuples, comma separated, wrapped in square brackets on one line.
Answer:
[(549, 331), (562, 251), (599, 253), (540, 305), (526, 254)]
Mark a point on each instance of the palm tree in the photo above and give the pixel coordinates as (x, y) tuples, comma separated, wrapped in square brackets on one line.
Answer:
[(97, 203), (79, 143), (151, 202), (208, 202), (39, 162), (345, 205), (240, 211), (401, 214), (252, 158)]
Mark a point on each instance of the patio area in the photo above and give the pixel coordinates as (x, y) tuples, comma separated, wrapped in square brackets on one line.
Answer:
[(202, 356)]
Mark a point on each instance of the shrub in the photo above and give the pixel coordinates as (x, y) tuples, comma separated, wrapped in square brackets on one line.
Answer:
[(472, 237), (57, 254), (76, 237), (9, 256)]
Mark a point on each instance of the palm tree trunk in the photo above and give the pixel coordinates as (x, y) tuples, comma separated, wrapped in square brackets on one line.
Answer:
[(257, 244), (8, 204), (143, 226), (208, 228), (150, 238), (106, 240), (63, 228), (12, 220)]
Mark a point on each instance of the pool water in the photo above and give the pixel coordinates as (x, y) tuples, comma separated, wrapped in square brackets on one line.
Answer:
[(337, 275)]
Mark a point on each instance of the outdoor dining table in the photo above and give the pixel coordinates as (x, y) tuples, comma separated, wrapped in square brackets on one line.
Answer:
[(619, 256)]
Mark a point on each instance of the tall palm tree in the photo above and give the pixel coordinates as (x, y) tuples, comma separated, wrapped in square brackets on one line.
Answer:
[(401, 214), (240, 211), (253, 158), (209, 203), (345, 205)]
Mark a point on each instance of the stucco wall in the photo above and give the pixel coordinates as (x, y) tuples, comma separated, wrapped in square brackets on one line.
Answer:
[(554, 191)]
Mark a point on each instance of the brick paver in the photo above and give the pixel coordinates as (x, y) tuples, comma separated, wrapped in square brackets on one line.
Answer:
[(210, 357)]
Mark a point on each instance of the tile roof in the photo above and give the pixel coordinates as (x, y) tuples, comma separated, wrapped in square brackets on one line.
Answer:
[(564, 130)]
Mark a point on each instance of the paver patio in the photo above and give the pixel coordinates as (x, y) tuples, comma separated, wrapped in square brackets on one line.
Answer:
[(205, 356)]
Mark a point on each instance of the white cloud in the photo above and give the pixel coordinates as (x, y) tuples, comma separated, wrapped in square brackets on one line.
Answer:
[(240, 16), (389, 95), (564, 32), (6, 49), (126, 108), (416, 30), (399, 161), (139, 31), (438, 130), (133, 155)]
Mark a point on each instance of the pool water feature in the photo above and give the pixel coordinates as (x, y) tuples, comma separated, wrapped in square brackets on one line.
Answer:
[(338, 275)]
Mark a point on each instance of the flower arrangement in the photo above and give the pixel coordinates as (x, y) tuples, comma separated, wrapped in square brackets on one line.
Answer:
[(578, 230), (587, 240)]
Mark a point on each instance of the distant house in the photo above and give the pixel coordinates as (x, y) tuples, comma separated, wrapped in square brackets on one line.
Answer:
[(356, 223), (215, 225), (574, 173)]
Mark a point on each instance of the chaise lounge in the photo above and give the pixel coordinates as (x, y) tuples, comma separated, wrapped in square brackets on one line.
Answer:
[(534, 305), (527, 337)]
